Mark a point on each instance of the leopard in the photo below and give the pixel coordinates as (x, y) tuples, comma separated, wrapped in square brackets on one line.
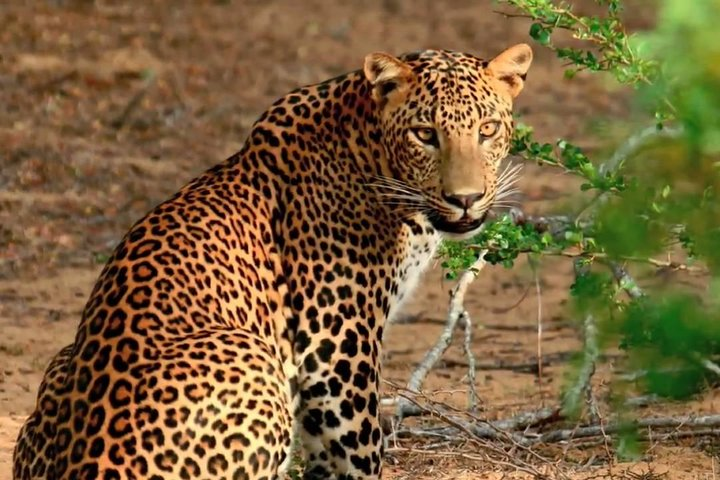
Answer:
[(238, 325)]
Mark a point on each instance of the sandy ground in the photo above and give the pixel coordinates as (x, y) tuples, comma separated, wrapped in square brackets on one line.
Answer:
[(106, 108)]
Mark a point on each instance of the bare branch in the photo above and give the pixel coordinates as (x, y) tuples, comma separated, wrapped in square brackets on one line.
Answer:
[(539, 322), (591, 353), (625, 281), (710, 365), (633, 144), (455, 311), (517, 429), (467, 346), (581, 387)]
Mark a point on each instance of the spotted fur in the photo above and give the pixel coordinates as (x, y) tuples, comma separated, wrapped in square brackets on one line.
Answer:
[(250, 306)]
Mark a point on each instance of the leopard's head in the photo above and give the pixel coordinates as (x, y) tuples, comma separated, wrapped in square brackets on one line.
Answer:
[(446, 124)]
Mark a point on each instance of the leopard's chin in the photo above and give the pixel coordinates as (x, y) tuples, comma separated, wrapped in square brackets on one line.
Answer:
[(463, 229)]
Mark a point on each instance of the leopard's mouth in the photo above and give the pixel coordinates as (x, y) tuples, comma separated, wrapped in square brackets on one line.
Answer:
[(464, 228)]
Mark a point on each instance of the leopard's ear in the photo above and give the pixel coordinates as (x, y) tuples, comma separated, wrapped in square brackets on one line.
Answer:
[(511, 66), (388, 75)]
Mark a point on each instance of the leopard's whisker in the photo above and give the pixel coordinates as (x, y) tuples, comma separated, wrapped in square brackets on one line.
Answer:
[(510, 171), (507, 193)]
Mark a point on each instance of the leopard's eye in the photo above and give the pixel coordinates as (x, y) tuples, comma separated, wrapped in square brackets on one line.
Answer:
[(426, 135), (488, 129)]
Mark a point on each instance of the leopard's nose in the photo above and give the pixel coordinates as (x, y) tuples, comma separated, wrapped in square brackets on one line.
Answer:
[(463, 201)]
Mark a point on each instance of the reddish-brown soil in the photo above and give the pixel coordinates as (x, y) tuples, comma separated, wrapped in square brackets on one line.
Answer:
[(106, 108)]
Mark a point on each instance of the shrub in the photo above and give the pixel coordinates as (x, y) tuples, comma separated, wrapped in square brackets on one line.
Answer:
[(653, 196)]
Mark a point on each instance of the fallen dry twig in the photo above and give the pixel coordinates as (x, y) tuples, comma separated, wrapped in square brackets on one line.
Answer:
[(523, 430), (479, 427), (688, 421), (471, 430)]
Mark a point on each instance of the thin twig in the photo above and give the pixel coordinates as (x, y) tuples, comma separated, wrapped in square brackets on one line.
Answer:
[(538, 294), (630, 147), (601, 423), (134, 102), (580, 440), (589, 362), (575, 253), (467, 346), (710, 365)]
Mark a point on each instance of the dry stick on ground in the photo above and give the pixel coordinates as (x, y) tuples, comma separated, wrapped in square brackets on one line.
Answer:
[(516, 430), (523, 440), (472, 430), (455, 311), (705, 421), (701, 425), (482, 428), (581, 436)]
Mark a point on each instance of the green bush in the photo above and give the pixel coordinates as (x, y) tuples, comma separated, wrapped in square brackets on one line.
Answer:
[(656, 193)]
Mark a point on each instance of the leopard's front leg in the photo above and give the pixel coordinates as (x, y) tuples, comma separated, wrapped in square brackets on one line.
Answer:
[(338, 417)]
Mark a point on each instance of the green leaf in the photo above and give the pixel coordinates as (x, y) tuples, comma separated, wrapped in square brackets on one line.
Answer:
[(540, 33)]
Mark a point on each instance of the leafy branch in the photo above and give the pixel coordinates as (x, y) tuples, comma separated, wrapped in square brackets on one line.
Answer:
[(655, 196), (613, 51)]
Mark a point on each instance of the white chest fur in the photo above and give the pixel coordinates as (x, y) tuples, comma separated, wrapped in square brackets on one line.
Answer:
[(418, 253)]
